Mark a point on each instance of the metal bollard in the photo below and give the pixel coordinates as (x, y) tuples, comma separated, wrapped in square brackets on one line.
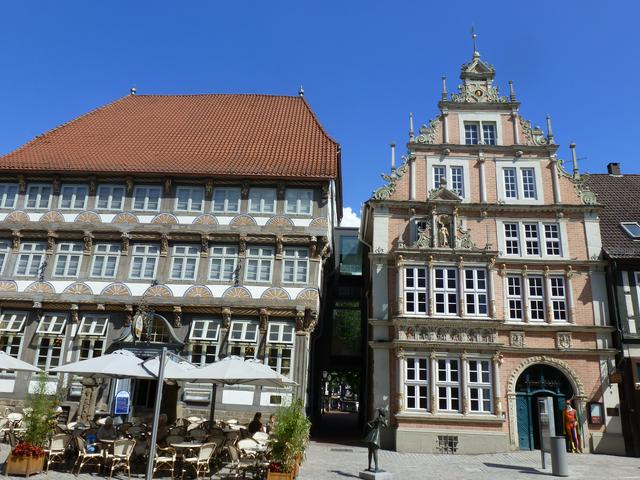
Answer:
[(559, 466)]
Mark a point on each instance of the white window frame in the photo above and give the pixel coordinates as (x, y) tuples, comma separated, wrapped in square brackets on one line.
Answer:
[(456, 173), (552, 239), (480, 124), (519, 165), (75, 190), (258, 205), (225, 202), (93, 325), (256, 256), (183, 255), (511, 241), (446, 388), (482, 386), (296, 258), (416, 384), (476, 292), (416, 291), (514, 290), (535, 283), (280, 345), (190, 189), (298, 202), (65, 252), (39, 249), (205, 350), (51, 323), (105, 251), (529, 190), (510, 184), (226, 256), (38, 187), (531, 241), (5, 251), (281, 331), (438, 173), (206, 342), (11, 344), (110, 189), (145, 200), (626, 226), (7, 199), (143, 251), (94, 346), (446, 290), (244, 331), (15, 322), (448, 163), (558, 298), (51, 348)]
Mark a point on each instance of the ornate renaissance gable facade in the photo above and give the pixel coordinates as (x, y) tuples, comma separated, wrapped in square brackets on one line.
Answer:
[(214, 213), (486, 284)]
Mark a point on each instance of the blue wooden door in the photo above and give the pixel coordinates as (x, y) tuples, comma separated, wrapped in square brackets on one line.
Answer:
[(525, 431)]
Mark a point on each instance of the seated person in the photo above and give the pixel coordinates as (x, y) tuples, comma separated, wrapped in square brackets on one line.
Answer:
[(272, 423), (107, 431), (256, 424), (163, 429)]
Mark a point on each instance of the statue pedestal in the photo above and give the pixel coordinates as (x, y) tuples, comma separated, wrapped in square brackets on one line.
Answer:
[(381, 475)]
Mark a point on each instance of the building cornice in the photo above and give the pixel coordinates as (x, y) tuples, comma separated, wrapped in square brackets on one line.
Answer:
[(493, 208)]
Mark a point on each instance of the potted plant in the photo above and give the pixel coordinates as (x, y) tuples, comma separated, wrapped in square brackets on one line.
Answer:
[(27, 457), (288, 441)]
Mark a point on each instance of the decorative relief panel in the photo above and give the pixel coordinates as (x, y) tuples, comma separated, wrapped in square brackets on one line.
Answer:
[(563, 340), (165, 219), (516, 339), (116, 290), (40, 287), (205, 219), (308, 295), (88, 217), (17, 216), (385, 192), (8, 286), (243, 220), (237, 292), (428, 134), (319, 222), (198, 291), (78, 288), (125, 217), (52, 216), (158, 291), (280, 221), (275, 293), (448, 334)]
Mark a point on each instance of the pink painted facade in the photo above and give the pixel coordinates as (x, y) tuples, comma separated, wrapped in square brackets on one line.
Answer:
[(486, 286)]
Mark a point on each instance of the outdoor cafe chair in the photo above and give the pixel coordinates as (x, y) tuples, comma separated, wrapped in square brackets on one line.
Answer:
[(174, 439), (200, 462), (120, 458), (178, 430), (88, 454), (239, 463), (56, 453), (165, 460), (137, 431)]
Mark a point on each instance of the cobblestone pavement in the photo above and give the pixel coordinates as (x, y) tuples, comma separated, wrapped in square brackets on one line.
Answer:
[(326, 461)]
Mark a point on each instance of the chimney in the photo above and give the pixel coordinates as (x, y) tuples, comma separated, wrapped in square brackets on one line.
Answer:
[(614, 169)]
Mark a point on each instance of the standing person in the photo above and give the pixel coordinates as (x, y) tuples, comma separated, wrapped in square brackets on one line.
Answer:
[(271, 424), (373, 438), (256, 424), (571, 425)]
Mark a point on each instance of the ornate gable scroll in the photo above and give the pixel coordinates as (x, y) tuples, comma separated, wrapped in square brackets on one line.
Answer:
[(385, 192), (428, 134)]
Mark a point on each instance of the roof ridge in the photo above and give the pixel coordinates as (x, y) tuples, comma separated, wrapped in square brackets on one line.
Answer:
[(273, 95), (62, 125), (315, 119)]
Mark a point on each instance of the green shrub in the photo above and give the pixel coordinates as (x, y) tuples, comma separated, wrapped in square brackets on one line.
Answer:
[(40, 413), (290, 436)]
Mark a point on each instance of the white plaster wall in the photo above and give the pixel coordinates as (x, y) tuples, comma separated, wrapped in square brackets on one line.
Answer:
[(592, 233)]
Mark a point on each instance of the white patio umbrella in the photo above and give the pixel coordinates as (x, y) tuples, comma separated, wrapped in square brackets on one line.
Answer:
[(118, 364), (237, 371), (7, 362), (175, 368)]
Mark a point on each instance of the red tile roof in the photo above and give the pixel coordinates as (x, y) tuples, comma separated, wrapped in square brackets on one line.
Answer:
[(219, 135)]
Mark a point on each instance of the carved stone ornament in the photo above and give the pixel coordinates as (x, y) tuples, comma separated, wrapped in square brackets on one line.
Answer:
[(244, 191), (563, 340), (93, 186), (424, 237), (242, 245), (534, 136), (87, 240), (280, 189), (313, 247), (167, 186), (385, 192), (569, 272), (128, 319), (264, 320), (447, 334), (226, 317), (74, 313), (164, 245), (22, 184), (204, 245), (427, 134), (51, 241), (129, 182), (311, 321), (325, 191), (516, 339), (444, 232), (177, 316), (15, 240), (279, 247), (56, 186), (125, 243), (208, 188), (478, 93), (300, 320), (464, 238), (326, 248)]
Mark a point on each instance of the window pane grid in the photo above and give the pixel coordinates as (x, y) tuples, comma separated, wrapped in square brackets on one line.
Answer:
[(93, 325), (488, 133), (439, 174), (259, 264), (73, 197), (558, 299), (8, 195), (475, 290), (205, 330), (184, 262), (223, 261), (298, 201), (457, 181), (244, 331), (146, 198), (12, 321), (514, 297), (226, 200), (39, 196), (144, 261), (68, 260), (479, 386), (510, 183), (417, 383), (262, 200), (415, 290), (532, 239), (536, 298), (528, 183), (552, 238), (51, 324), (295, 265), (110, 197), (512, 242), (10, 344), (105, 260), (189, 199), (32, 255), (448, 385), (471, 136), (446, 291), (280, 333)]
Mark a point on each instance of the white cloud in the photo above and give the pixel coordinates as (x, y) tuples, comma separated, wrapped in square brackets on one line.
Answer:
[(349, 218)]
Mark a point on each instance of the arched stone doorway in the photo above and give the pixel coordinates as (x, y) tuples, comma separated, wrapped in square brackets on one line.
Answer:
[(537, 377)]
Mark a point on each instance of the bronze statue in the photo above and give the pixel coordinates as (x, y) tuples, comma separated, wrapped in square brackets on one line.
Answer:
[(373, 438)]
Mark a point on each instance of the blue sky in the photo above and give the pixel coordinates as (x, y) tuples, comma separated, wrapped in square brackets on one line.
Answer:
[(364, 65)]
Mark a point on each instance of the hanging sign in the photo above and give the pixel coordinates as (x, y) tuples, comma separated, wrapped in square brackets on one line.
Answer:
[(138, 326), (122, 403)]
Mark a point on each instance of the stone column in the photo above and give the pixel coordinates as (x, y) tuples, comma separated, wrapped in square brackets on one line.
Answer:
[(483, 183), (400, 285), (430, 309), (497, 395), (547, 294), (554, 181), (432, 385), (461, 282), (491, 294), (464, 369), (571, 307), (525, 295), (516, 134), (445, 126), (401, 368)]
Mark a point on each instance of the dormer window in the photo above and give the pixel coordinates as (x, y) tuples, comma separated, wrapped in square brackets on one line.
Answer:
[(480, 133), (632, 229)]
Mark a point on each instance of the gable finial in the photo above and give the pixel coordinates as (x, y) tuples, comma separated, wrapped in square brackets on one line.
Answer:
[(411, 133), (512, 92), (474, 37), (444, 88), (393, 156), (549, 130), (133, 90), (574, 159), (301, 91)]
